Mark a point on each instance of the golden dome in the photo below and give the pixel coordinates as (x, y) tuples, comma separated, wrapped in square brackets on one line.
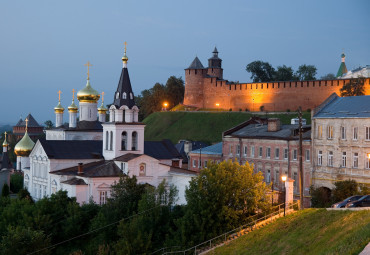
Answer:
[(73, 107), (88, 94), (24, 147), (102, 108), (59, 108), (124, 58), (5, 143)]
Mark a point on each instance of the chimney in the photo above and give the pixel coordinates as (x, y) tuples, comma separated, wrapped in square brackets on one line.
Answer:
[(80, 169), (273, 125)]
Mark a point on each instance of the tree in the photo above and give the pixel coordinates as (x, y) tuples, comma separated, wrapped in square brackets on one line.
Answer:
[(344, 189), (261, 71), (306, 72), (48, 124), (16, 182), (221, 198), (329, 76), (5, 190), (354, 87), (320, 197), (284, 73)]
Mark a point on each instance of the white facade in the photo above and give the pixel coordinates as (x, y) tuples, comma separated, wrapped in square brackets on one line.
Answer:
[(72, 119), (54, 134), (88, 111), (58, 119)]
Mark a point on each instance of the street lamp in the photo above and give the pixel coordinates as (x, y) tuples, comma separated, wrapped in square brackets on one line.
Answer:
[(284, 180), (218, 106), (165, 104)]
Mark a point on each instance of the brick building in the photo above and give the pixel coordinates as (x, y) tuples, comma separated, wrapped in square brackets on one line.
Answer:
[(205, 87), (200, 158), (34, 129)]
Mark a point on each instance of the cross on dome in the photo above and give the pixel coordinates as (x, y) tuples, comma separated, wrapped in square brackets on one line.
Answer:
[(88, 69)]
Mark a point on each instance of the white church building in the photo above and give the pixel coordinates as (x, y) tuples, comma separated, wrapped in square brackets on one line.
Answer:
[(87, 156)]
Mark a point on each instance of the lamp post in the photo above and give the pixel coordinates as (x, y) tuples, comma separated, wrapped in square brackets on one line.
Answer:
[(284, 180), (218, 106), (165, 104)]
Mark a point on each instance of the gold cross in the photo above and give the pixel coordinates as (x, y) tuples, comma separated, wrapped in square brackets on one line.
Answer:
[(102, 97), (88, 69), (26, 120), (5, 135), (125, 43), (59, 92), (73, 91)]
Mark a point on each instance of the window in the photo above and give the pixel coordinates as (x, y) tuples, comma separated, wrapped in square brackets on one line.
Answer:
[(111, 141), (343, 133), (131, 96), (103, 197), (295, 154), (344, 159), (277, 152), (205, 163), (307, 154), (319, 158), (319, 132), (231, 149), (238, 150), (268, 176), (330, 158), (295, 178), (117, 95), (367, 162), (260, 152), (194, 163), (355, 133), (330, 132), (252, 152), (355, 160), (285, 153), (268, 152), (124, 95), (134, 141), (367, 137), (245, 150), (277, 178), (124, 141)]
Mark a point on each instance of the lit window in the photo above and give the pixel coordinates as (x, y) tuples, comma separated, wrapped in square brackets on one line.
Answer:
[(367, 162), (319, 158), (330, 132), (330, 158), (319, 132), (355, 160)]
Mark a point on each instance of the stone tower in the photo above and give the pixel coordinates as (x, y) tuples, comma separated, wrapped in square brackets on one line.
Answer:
[(214, 66), (194, 82)]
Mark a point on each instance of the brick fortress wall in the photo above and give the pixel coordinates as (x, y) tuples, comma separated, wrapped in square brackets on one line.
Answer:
[(204, 91)]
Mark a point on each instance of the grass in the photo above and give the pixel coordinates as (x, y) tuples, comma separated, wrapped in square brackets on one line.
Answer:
[(311, 231), (201, 126)]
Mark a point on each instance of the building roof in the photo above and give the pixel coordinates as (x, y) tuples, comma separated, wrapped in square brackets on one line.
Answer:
[(253, 120), (196, 64), (71, 149), (344, 107), (342, 69), (215, 149), (127, 157), (180, 146), (179, 170), (103, 168), (75, 181), (31, 122), (161, 149), (124, 86), (83, 126)]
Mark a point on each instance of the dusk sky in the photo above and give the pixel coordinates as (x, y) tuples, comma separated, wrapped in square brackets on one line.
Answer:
[(45, 44)]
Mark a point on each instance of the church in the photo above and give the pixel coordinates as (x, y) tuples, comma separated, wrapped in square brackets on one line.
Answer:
[(89, 155)]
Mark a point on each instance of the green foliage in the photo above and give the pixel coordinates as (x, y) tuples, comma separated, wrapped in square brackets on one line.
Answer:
[(284, 73), (221, 198), (5, 190), (262, 108), (24, 194), (320, 197), (48, 124), (329, 76), (306, 73), (344, 189), (261, 71), (353, 88), (16, 182)]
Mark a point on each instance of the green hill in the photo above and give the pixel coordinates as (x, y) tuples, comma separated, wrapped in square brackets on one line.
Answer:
[(201, 126), (311, 231)]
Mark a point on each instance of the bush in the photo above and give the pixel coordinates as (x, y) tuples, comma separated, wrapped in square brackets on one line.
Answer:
[(320, 197), (16, 183), (287, 110), (262, 108), (240, 109), (309, 110), (344, 189), (246, 109), (5, 191), (230, 110)]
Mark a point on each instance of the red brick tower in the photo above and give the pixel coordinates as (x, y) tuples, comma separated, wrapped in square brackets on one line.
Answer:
[(214, 66), (194, 84)]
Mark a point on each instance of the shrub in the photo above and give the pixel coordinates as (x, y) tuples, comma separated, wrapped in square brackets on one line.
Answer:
[(262, 108), (288, 110), (240, 109), (5, 190), (246, 109), (16, 183), (230, 110)]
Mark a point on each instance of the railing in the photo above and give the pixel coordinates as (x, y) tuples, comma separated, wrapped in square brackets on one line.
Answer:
[(209, 244)]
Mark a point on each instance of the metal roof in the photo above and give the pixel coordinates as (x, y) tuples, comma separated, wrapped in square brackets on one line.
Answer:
[(215, 149), (196, 64)]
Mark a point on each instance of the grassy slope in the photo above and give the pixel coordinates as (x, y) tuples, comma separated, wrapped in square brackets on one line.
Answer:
[(199, 126), (312, 231)]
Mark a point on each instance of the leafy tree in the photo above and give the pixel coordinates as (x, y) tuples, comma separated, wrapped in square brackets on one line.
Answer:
[(329, 76), (175, 90), (320, 197), (221, 198), (24, 194), (353, 88), (344, 189), (284, 73), (16, 182), (261, 71), (306, 72), (49, 124), (5, 190)]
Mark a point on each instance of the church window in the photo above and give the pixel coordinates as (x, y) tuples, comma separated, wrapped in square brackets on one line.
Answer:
[(124, 141), (117, 95), (131, 96), (103, 197), (124, 95), (106, 139), (53, 187), (111, 141), (26, 181), (134, 141), (142, 169)]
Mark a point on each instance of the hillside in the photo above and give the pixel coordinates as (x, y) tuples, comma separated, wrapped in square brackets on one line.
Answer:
[(312, 231), (201, 126)]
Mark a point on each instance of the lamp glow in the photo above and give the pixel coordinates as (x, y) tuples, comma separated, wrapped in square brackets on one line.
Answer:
[(283, 178)]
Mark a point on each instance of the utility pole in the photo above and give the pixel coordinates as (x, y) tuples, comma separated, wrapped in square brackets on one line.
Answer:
[(300, 158)]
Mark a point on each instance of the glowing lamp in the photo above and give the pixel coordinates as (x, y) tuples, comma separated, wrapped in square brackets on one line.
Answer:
[(283, 178)]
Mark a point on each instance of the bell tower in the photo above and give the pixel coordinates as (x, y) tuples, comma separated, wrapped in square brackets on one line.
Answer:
[(214, 65)]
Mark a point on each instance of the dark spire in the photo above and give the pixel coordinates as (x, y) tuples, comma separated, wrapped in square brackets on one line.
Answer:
[(214, 61), (124, 94), (215, 52), (196, 64)]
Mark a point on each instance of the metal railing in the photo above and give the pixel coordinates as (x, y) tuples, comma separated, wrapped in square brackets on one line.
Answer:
[(211, 243)]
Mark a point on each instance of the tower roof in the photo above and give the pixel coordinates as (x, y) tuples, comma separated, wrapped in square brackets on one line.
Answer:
[(196, 64), (215, 50), (31, 122), (342, 68), (124, 94)]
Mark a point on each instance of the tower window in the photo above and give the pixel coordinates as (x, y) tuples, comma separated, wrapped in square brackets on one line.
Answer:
[(111, 141), (131, 96), (106, 139), (117, 95), (124, 141), (134, 141), (124, 95)]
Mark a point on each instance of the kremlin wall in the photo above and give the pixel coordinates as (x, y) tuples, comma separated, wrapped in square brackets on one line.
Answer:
[(206, 88)]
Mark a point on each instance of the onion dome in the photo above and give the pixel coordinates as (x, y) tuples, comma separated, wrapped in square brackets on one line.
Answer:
[(59, 108), (102, 108), (5, 143), (24, 147), (343, 56), (73, 107), (88, 94)]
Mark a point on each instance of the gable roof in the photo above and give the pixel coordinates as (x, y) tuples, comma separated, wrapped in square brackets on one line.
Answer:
[(124, 86), (127, 157), (74, 181), (161, 149), (253, 120), (70, 149), (103, 168), (196, 64)]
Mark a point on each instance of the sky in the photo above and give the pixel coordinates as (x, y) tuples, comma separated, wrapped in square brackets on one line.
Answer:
[(45, 44)]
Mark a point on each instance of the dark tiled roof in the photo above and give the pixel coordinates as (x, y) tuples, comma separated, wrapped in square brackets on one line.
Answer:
[(253, 120), (84, 126), (196, 64), (69, 149), (31, 122), (75, 181), (127, 157), (194, 145), (161, 149), (5, 161), (124, 86), (180, 170), (104, 168)]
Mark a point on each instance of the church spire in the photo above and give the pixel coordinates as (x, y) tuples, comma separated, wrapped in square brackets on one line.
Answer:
[(342, 68), (125, 58)]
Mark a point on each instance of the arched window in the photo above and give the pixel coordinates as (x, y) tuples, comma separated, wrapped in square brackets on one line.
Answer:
[(124, 141), (134, 141), (54, 187), (111, 141), (124, 95), (117, 95), (106, 139), (131, 96)]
